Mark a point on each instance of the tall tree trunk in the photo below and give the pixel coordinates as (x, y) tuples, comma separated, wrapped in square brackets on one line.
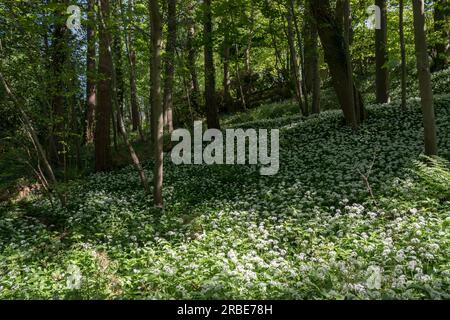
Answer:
[(348, 38), (381, 56), (312, 71), (210, 74), (90, 74), (442, 46), (402, 53), (114, 129), (135, 112), (423, 70), (104, 99), (301, 51), (337, 57), (157, 109), (239, 80), (192, 58), (119, 82), (170, 64), (296, 78), (131, 53), (227, 99)]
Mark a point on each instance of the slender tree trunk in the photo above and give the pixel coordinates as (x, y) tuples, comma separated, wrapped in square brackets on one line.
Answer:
[(294, 63), (135, 113), (239, 80), (131, 54), (114, 129), (348, 35), (227, 99), (360, 111), (119, 82), (90, 74), (210, 74), (170, 64), (157, 109), (381, 56), (403, 54), (104, 99), (192, 58), (312, 72), (135, 109), (301, 53), (423, 69)]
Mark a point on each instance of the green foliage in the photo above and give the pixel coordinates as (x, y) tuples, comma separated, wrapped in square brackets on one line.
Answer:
[(12, 169), (439, 80), (265, 112), (323, 228), (435, 174), (312, 231)]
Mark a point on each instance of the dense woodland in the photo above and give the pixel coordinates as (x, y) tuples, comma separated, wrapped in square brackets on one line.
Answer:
[(91, 205)]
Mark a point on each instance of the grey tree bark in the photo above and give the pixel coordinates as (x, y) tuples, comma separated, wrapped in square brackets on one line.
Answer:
[(90, 74), (295, 69), (423, 70), (170, 64), (157, 109), (227, 99), (312, 71), (131, 55), (192, 58), (402, 53), (381, 56), (210, 74)]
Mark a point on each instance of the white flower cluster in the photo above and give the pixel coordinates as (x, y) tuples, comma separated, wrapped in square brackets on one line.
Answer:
[(313, 231)]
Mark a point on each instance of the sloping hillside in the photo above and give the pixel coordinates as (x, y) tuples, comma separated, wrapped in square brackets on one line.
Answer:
[(350, 215)]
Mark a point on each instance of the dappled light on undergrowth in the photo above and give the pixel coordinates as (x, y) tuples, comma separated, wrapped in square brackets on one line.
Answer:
[(350, 215)]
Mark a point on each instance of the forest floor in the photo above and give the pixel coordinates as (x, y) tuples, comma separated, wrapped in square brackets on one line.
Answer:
[(350, 215)]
